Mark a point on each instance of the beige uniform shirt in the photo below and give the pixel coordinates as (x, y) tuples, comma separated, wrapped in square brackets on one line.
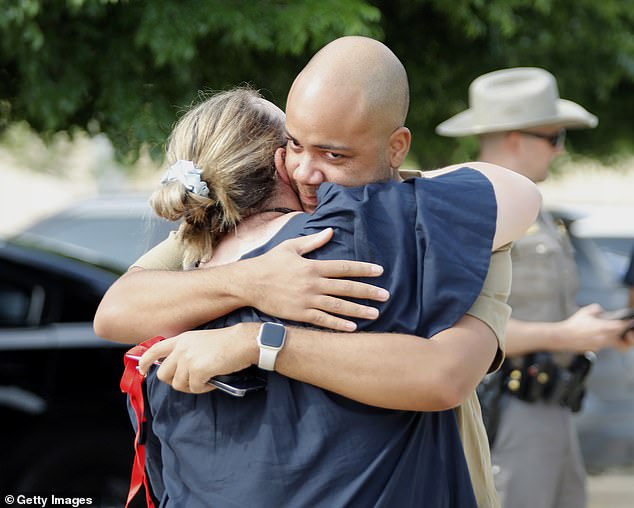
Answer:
[(491, 308), (545, 280), (167, 255)]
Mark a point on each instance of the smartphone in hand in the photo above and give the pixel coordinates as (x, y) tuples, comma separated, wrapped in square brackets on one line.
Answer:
[(622, 314), (237, 385)]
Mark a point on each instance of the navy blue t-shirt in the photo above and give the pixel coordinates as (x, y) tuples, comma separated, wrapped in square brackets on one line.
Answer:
[(296, 445)]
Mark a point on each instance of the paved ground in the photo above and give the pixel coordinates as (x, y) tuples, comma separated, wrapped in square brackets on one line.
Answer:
[(611, 490)]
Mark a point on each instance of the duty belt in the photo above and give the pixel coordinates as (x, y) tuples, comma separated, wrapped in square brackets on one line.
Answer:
[(540, 378)]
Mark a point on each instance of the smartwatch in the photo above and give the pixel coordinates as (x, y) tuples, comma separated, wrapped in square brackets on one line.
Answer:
[(270, 341)]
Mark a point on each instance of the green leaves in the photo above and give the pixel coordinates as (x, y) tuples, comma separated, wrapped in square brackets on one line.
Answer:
[(128, 67), (588, 45)]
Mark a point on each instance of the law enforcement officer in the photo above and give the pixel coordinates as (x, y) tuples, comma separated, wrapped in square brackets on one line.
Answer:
[(521, 122)]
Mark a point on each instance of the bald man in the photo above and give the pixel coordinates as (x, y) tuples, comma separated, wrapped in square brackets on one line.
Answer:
[(345, 118), (367, 143)]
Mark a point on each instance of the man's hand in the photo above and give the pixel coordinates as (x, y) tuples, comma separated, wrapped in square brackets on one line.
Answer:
[(284, 284), (628, 338), (190, 359), (586, 330)]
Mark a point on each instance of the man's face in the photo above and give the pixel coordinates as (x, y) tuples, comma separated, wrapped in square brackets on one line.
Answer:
[(333, 141), (539, 149)]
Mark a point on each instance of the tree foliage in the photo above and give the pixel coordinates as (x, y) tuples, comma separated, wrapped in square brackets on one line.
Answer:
[(127, 68), (588, 45)]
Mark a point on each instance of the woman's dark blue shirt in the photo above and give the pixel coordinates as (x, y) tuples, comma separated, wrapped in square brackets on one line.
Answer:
[(296, 445)]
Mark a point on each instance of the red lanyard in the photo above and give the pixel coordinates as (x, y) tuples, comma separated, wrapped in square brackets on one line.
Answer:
[(132, 385)]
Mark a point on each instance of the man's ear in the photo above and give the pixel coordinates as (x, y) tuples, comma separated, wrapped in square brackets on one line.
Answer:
[(399, 143), (513, 140), (280, 165)]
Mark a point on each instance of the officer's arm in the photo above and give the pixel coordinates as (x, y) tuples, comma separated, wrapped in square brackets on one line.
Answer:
[(584, 331)]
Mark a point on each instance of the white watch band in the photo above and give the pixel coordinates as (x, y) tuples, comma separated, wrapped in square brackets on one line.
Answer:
[(270, 339), (267, 358)]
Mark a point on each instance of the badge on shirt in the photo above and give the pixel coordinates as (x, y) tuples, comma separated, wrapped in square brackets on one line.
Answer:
[(533, 229)]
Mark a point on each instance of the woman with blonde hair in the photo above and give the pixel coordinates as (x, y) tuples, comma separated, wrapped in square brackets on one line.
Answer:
[(222, 171)]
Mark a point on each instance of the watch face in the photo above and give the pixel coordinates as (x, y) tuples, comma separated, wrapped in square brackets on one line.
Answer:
[(272, 335)]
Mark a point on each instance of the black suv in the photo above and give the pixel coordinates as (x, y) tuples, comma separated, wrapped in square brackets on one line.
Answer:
[(64, 420)]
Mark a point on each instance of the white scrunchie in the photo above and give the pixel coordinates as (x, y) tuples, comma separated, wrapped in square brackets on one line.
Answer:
[(189, 175)]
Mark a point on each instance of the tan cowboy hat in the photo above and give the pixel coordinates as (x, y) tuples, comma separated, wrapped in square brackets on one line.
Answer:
[(517, 98)]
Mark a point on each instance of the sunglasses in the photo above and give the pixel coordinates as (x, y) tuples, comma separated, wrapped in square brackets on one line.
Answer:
[(556, 140)]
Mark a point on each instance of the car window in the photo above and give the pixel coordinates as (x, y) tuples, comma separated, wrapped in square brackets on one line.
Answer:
[(75, 302), (115, 240), (46, 288), (22, 295), (14, 305), (617, 253)]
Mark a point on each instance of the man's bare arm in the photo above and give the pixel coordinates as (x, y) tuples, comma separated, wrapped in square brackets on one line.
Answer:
[(393, 371), (584, 331), (146, 303)]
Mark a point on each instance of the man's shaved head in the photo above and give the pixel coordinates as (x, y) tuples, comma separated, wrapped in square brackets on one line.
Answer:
[(345, 118), (358, 69)]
